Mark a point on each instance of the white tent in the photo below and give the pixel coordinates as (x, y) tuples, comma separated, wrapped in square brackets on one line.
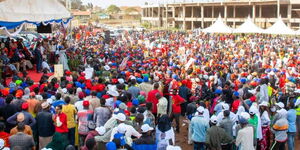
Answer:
[(279, 27), (248, 27), (297, 32), (218, 27)]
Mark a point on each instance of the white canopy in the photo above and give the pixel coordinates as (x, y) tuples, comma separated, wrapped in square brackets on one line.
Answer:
[(297, 32), (248, 27), (218, 27), (32, 10), (279, 27)]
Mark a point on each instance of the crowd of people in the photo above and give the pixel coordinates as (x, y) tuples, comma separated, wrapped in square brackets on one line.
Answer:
[(235, 92)]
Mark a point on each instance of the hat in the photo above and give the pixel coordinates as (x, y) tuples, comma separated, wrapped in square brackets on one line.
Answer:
[(122, 128), (253, 110), (236, 94), (101, 130), (264, 103), (145, 128), (106, 67), (200, 109), (45, 105), (214, 119), (245, 115), (120, 117), (135, 102), (20, 117), (64, 90), (123, 106), (24, 106), (111, 146), (113, 93), (218, 91), (50, 100), (121, 81), (280, 104), (225, 106), (86, 103)]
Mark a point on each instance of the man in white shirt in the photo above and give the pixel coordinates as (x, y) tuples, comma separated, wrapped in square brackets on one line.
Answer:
[(161, 105)]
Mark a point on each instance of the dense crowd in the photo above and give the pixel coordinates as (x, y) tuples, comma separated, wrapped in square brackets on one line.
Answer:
[(233, 91)]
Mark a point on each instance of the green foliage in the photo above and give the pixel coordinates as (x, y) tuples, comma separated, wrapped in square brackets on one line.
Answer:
[(146, 24), (112, 9), (130, 9)]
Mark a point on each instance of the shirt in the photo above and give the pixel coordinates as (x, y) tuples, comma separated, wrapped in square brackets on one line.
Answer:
[(31, 106), (101, 115), (45, 124), (61, 123), (291, 117), (244, 138), (130, 131), (22, 140), (152, 99), (162, 106), (177, 100), (27, 130), (83, 117), (199, 126), (5, 136), (70, 111)]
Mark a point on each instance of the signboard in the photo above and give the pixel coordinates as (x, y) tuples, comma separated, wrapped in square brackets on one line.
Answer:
[(89, 73), (58, 70)]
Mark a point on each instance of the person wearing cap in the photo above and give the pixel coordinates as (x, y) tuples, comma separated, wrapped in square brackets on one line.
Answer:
[(199, 126), (128, 132), (84, 117), (58, 101), (146, 137), (264, 143), (102, 113), (28, 119), (245, 136), (278, 107), (20, 139), (18, 101), (291, 117), (279, 129), (253, 120), (99, 131), (94, 100), (216, 137), (145, 86), (70, 110), (216, 102), (45, 125), (177, 100)]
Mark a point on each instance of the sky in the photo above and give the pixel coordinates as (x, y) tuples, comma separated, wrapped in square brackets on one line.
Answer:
[(106, 3)]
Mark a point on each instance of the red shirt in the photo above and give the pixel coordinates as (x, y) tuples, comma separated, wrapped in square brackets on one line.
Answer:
[(152, 99), (63, 119), (176, 101), (5, 136), (235, 105)]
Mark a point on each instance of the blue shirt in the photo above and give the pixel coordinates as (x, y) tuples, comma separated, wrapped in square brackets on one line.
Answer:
[(291, 117), (58, 102), (199, 126)]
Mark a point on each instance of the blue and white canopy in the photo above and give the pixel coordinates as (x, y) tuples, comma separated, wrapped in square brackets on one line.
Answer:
[(14, 13)]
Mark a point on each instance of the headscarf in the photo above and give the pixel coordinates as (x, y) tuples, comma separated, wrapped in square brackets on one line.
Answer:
[(164, 123)]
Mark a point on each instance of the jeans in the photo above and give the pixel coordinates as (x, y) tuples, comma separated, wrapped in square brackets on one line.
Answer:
[(71, 136), (291, 140), (199, 146)]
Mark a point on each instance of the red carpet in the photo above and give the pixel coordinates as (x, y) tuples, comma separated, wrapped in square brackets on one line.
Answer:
[(32, 74)]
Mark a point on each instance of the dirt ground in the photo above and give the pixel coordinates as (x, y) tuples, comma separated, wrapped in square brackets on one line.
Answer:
[(181, 139)]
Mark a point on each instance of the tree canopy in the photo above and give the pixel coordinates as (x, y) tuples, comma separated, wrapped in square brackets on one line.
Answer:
[(113, 9)]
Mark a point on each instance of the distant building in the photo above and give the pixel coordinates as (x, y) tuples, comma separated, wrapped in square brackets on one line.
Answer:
[(129, 13), (104, 16), (83, 17), (191, 15)]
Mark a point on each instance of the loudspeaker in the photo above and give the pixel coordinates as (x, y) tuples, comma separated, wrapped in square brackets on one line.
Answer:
[(44, 28)]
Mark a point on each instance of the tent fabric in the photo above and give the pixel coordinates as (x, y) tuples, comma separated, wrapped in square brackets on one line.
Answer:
[(297, 32), (279, 27), (218, 27), (248, 27), (14, 13)]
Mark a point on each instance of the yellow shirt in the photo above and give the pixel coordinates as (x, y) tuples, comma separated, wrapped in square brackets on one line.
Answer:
[(70, 111)]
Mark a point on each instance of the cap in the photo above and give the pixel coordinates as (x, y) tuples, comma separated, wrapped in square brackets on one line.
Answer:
[(122, 106), (120, 117), (264, 103), (122, 128), (280, 104), (214, 119), (145, 128), (113, 93), (200, 109), (86, 103), (225, 106), (45, 105), (101, 130), (253, 110), (236, 94), (218, 91), (24, 106)]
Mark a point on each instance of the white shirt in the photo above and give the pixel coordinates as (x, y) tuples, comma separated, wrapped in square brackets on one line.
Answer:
[(130, 131), (245, 138)]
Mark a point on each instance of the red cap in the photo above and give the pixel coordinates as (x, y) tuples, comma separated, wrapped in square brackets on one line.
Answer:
[(86, 103), (81, 95), (105, 96), (25, 106), (19, 94), (68, 73)]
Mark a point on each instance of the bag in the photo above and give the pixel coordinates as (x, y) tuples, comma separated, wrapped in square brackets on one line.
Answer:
[(91, 125)]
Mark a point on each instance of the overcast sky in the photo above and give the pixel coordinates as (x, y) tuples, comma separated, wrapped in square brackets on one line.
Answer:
[(106, 3)]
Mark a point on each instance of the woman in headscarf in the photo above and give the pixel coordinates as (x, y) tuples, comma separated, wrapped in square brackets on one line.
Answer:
[(264, 143), (164, 133)]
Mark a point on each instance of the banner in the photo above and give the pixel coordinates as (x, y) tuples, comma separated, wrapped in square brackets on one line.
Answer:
[(124, 63), (58, 70)]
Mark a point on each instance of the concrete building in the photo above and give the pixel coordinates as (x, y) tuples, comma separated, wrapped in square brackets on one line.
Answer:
[(191, 15)]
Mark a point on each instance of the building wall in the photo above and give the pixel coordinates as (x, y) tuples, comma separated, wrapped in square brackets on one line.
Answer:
[(201, 15)]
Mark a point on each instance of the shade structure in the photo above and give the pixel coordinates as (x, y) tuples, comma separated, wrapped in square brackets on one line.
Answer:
[(248, 27), (218, 27), (279, 27), (297, 32), (14, 13)]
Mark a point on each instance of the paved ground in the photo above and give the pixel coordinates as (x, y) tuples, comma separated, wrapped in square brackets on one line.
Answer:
[(181, 139)]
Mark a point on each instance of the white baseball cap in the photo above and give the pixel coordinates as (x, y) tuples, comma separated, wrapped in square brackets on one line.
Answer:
[(101, 130), (145, 128), (200, 109), (225, 106), (214, 119), (280, 104), (113, 93), (121, 117), (122, 128), (264, 103)]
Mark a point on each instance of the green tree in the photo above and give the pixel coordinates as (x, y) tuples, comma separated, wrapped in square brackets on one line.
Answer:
[(90, 6), (130, 10), (76, 4), (113, 9)]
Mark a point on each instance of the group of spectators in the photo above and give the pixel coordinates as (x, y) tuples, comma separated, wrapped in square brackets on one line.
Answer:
[(232, 91)]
